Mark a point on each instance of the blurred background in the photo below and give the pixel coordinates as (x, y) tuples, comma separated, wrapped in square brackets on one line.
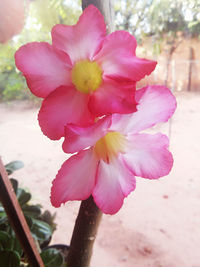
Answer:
[(159, 224)]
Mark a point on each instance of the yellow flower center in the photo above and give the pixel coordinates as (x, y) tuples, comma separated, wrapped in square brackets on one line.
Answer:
[(86, 76), (110, 145)]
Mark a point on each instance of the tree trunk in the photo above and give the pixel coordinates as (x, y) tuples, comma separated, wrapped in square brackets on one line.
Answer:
[(191, 58), (84, 234)]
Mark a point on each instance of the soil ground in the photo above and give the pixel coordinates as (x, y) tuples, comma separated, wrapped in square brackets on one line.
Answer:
[(159, 223)]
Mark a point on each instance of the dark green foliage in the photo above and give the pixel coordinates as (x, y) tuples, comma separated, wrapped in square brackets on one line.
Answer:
[(40, 229), (41, 226), (9, 258), (52, 257)]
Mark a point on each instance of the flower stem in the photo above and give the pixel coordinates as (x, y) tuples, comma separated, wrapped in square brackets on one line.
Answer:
[(84, 234)]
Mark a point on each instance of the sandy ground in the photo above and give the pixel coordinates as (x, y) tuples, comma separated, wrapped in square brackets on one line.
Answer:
[(159, 224)]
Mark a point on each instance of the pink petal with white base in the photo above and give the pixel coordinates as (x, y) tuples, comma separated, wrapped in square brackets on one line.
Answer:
[(44, 68), (82, 40), (111, 98), (78, 138), (118, 60), (75, 180), (155, 104), (114, 183), (149, 156), (62, 106)]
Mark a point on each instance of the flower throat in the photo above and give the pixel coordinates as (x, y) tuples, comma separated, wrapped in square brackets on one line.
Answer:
[(110, 145), (86, 76)]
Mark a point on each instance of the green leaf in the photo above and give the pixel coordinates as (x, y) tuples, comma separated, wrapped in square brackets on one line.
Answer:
[(52, 257), (1, 208), (13, 166), (3, 215), (29, 221), (4, 239), (9, 258), (49, 218), (14, 245), (41, 230), (9, 242), (33, 211), (22, 196)]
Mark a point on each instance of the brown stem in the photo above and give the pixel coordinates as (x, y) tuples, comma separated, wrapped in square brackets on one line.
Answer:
[(84, 234)]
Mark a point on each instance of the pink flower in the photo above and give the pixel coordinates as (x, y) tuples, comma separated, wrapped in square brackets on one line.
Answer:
[(113, 152), (83, 74)]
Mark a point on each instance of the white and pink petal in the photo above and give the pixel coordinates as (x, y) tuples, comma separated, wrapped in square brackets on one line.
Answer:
[(148, 155), (44, 67), (155, 104), (64, 105), (114, 181), (78, 138), (76, 178), (83, 40)]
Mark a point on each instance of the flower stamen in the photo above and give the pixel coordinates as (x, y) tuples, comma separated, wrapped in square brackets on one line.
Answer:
[(86, 76), (110, 145)]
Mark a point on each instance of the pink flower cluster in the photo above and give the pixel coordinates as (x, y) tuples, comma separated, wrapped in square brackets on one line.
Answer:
[(88, 82)]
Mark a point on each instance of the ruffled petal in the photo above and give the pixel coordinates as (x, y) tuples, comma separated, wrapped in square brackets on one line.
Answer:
[(44, 67), (75, 180), (114, 183), (62, 106), (149, 156), (78, 138), (155, 104), (112, 97), (118, 60), (82, 40)]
